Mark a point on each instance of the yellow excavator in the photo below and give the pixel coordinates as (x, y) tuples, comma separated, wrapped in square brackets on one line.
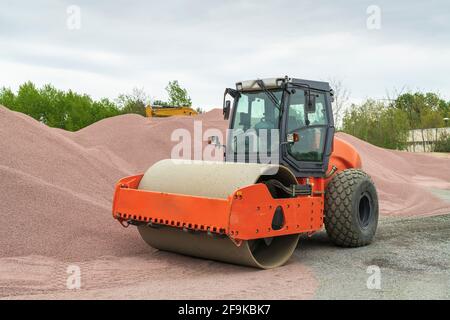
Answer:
[(169, 111)]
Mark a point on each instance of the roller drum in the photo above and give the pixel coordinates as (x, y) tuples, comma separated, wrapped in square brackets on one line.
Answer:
[(215, 180)]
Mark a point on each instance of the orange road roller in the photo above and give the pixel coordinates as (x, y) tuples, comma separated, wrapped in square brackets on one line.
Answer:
[(251, 208)]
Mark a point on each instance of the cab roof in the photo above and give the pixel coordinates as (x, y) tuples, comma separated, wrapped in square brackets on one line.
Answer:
[(272, 83)]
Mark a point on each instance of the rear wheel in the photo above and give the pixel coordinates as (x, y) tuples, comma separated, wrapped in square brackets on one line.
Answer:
[(351, 209)]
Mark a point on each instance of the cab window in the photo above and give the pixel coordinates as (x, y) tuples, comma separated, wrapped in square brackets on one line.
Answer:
[(310, 126), (255, 115)]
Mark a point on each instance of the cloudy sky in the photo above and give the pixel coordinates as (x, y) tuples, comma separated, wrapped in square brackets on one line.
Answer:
[(109, 47)]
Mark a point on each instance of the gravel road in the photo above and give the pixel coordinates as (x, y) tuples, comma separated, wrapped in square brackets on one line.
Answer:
[(411, 256)]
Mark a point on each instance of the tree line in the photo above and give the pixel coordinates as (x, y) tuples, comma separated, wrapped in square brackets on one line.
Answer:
[(72, 111), (384, 123), (387, 123)]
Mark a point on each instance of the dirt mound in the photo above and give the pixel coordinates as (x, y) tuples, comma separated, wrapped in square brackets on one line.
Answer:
[(404, 180), (139, 142), (56, 195), (57, 186)]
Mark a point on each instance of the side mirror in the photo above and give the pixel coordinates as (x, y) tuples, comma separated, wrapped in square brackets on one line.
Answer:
[(228, 96), (310, 105), (292, 137), (226, 109)]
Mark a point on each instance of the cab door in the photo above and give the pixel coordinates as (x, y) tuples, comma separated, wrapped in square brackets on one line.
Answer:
[(313, 124)]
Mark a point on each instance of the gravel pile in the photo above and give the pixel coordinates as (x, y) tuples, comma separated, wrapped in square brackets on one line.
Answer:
[(57, 186)]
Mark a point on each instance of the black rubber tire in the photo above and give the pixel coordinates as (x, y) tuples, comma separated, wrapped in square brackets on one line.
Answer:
[(351, 209)]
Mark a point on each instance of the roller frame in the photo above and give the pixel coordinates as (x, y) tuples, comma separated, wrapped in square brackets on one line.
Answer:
[(245, 215)]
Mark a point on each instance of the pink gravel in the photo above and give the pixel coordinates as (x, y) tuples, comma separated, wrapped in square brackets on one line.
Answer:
[(404, 180), (58, 185)]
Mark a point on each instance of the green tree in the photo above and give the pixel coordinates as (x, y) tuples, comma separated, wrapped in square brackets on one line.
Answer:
[(443, 143), (423, 110), (134, 102), (178, 96), (160, 103), (377, 123), (29, 101), (56, 108), (7, 98)]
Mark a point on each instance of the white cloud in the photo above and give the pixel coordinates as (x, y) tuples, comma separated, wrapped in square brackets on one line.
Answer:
[(210, 45)]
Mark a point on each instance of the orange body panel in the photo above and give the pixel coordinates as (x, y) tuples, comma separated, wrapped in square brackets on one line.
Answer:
[(252, 212), (169, 209), (344, 156), (246, 214)]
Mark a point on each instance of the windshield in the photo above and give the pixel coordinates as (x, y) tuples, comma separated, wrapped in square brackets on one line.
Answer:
[(255, 110), (256, 122)]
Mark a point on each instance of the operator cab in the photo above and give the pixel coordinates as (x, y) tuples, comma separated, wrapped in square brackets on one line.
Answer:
[(281, 120)]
